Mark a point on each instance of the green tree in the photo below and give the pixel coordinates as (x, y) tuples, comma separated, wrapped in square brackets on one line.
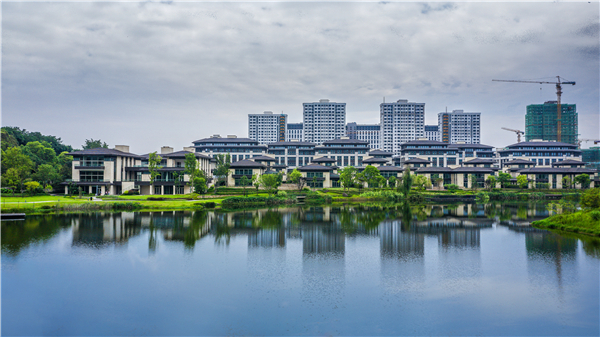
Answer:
[(19, 165), (381, 181), (566, 182), (154, 168), (94, 144), (392, 182), (473, 180), (522, 181), (64, 164), (490, 182), (256, 182), (348, 177), (371, 174), (421, 182), (436, 179), (591, 198), (583, 180), (407, 181), (270, 182), (32, 186), (244, 182), (191, 167), (295, 177), (222, 169), (361, 180), (504, 179), (14, 136), (40, 153), (178, 179), (199, 185), (46, 174)]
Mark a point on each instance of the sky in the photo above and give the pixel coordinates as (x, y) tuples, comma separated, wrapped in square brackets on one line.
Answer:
[(149, 74)]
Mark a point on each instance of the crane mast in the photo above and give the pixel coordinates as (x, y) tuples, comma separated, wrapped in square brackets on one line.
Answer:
[(558, 104)]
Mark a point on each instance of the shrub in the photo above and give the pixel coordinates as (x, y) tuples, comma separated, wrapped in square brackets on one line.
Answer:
[(482, 198), (6, 190), (591, 198), (537, 196), (595, 215), (210, 189), (155, 199), (451, 187), (131, 192), (282, 194), (210, 204)]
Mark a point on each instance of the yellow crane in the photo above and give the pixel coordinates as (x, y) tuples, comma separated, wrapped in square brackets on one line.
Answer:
[(518, 132), (558, 84)]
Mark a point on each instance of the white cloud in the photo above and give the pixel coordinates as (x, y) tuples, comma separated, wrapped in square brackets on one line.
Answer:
[(150, 74)]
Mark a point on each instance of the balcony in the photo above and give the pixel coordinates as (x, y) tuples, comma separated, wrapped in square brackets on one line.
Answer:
[(87, 180)]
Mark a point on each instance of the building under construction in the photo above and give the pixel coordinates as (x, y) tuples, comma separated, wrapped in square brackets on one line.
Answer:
[(541, 122)]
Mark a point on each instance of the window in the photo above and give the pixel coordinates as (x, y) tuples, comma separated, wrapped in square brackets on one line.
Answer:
[(246, 172), (157, 190), (91, 176)]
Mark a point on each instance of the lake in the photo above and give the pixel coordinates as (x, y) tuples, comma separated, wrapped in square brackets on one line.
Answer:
[(353, 270)]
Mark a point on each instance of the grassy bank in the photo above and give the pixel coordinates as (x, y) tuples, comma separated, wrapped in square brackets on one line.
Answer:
[(582, 222)]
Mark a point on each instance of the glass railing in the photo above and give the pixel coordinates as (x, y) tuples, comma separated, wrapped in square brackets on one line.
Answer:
[(91, 164), (86, 180)]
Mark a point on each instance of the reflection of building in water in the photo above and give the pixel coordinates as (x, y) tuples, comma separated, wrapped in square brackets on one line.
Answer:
[(395, 242), (460, 238), (98, 229), (322, 239), (267, 238)]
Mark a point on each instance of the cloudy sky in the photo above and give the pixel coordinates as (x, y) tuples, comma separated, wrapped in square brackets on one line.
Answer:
[(153, 74)]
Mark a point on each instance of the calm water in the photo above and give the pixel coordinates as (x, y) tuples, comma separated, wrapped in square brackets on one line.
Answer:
[(451, 270)]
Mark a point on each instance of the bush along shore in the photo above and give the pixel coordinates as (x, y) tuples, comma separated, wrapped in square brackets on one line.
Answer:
[(568, 219), (45, 204)]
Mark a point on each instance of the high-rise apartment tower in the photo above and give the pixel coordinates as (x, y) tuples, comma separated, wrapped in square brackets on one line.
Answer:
[(460, 127), (267, 127), (401, 122), (541, 122), (323, 121)]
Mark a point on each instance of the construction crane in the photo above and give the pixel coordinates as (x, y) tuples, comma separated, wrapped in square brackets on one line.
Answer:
[(580, 140), (558, 94), (518, 132)]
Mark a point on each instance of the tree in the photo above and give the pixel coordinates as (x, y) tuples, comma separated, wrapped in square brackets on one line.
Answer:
[(199, 185), (191, 167), (371, 174), (591, 198), (348, 177), (244, 182), (94, 144), (32, 186), (153, 166), (490, 182), (473, 180), (14, 136), (381, 181), (18, 164), (406, 182), (421, 182), (64, 165), (256, 182), (436, 179), (222, 169), (270, 182), (392, 182), (522, 181), (296, 177), (46, 174), (178, 178), (566, 182), (40, 153), (583, 180), (360, 180), (503, 179)]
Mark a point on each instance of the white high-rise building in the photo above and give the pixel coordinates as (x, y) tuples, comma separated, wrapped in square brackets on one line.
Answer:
[(267, 127), (401, 122), (367, 132), (459, 126), (432, 132), (294, 132), (323, 121)]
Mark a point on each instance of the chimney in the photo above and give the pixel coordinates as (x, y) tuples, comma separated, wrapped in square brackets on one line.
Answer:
[(166, 150), (122, 148), (215, 136), (323, 100), (268, 112), (231, 136), (189, 149)]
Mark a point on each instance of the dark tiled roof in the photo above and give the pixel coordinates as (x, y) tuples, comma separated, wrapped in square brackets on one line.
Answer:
[(375, 160), (545, 143), (475, 146), (479, 161), (570, 170), (323, 160), (279, 165), (291, 143), (416, 161), (390, 169), (472, 170), (100, 151), (519, 162), (316, 167), (181, 154), (380, 153), (424, 142), (263, 158), (246, 163), (434, 170), (569, 162)]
